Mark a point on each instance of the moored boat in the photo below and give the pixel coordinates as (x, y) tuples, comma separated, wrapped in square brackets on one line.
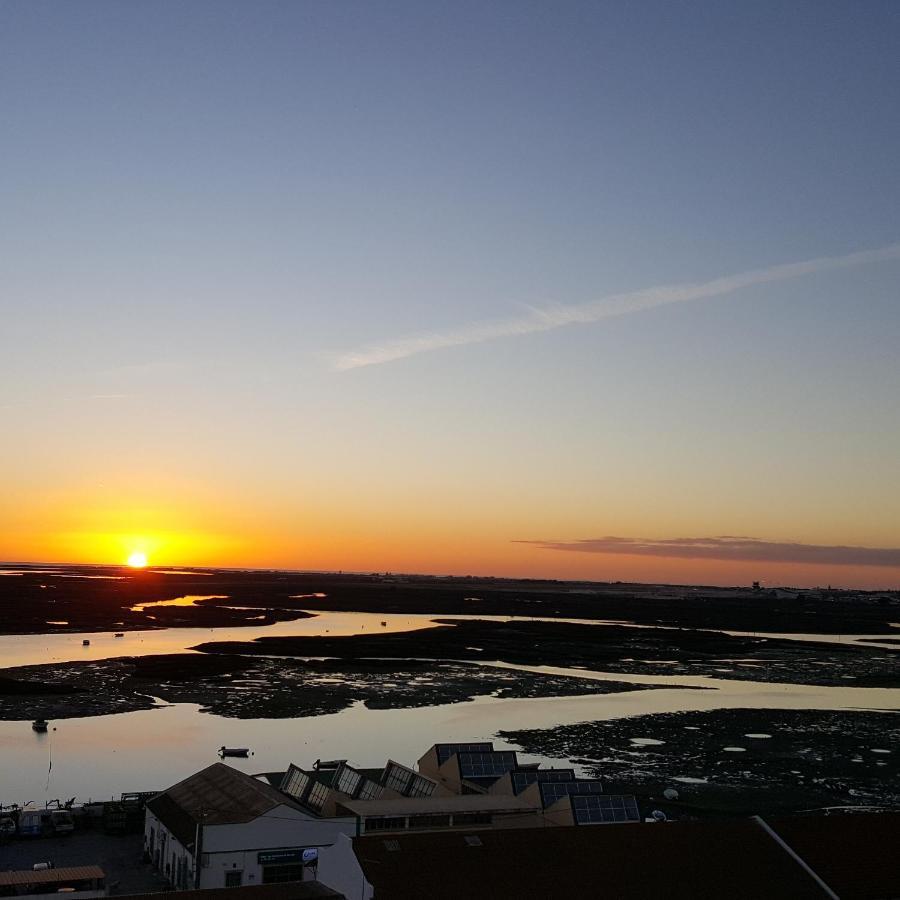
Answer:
[(39, 724)]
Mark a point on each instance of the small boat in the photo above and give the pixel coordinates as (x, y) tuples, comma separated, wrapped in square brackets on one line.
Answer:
[(234, 751), (119, 634), (384, 624), (39, 725), (85, 643)]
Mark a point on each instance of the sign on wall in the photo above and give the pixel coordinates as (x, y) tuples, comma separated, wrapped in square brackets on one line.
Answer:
[(289, 855)]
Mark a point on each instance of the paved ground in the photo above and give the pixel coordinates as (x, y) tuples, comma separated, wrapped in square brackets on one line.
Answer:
[(118, 855)]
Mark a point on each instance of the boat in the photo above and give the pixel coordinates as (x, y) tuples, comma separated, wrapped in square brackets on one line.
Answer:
[(234, 751), (39, 724), (85, 643), (384, 624), (119, 634)]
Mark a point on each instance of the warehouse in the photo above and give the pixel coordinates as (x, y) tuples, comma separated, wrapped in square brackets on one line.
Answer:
[(240, 829)]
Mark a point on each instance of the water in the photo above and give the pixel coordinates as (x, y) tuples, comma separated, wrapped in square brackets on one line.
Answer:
[(102, 756), (35, 649), (186, 600)]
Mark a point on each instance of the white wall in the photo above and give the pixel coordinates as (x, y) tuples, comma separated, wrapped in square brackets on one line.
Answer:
[(340, 870), (167, 854), (236, 847), (282, 827)]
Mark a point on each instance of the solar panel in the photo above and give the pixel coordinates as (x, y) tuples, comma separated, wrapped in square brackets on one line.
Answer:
[(445, 751), (551, 792), (487, 765), (521, 780), (603, 809)]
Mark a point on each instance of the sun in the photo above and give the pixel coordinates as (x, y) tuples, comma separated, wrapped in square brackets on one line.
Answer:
[(137, 560)]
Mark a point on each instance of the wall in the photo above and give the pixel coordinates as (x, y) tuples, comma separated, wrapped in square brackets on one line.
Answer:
[(340, 870), (236, 847), (167, 854)]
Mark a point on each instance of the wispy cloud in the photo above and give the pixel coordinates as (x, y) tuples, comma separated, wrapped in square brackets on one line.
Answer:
[(551, 317), (734, 549)]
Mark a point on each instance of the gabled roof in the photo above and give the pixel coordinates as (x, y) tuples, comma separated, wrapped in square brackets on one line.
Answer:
[(217, 795)]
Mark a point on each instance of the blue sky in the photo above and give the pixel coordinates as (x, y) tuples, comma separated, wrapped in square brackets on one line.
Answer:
[(205, 203)]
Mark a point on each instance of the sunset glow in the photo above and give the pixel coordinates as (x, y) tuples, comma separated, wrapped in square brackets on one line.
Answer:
[(582, 318)]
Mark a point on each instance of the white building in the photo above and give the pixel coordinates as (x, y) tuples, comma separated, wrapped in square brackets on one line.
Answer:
[(240, 829)]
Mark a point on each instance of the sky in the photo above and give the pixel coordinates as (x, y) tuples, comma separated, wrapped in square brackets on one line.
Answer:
[(577, 290)]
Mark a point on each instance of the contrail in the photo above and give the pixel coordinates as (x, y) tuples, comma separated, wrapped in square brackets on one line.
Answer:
[(551, 317)]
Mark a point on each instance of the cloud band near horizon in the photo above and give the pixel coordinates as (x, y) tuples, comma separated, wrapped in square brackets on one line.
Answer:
[(730, 549), (549, 318)]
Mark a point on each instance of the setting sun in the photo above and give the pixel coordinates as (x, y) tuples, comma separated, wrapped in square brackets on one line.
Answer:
[(137, 560)]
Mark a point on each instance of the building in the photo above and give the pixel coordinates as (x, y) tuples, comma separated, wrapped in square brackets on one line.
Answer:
[(457, 786), (469, 768), (221, 828), (801, 858)]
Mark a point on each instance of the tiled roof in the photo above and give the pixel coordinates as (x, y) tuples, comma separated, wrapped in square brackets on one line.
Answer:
[(55, 876)]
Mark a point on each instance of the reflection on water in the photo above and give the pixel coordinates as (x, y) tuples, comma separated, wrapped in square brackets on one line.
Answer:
[(186, 600), (151, 749), (34, 649)]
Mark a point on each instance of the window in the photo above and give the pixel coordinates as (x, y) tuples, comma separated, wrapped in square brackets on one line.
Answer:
[(397, 779), (281, 874), (407, 782), (429, 821), (317, 795), (421, 786), (370, 790), (234, 878), (473, 819), (347, 781), (295, 782), (385, 823)]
